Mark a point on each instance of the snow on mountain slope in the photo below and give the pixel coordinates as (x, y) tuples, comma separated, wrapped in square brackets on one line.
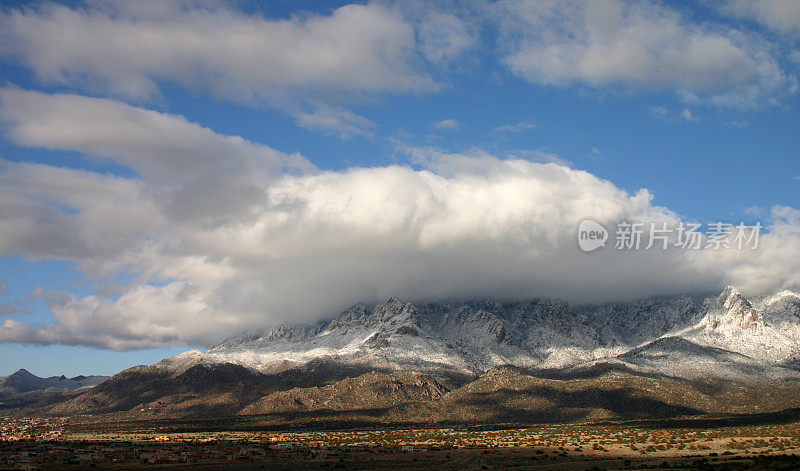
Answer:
[(732, 323), (726, 332), (782, 311), (386, 336), (678, 357)]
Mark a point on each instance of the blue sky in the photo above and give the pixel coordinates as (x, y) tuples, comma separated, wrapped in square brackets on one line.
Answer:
[(215, 217)]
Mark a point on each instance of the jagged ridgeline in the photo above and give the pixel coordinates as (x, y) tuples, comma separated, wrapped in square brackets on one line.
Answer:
[(472, 337), (536, 360)]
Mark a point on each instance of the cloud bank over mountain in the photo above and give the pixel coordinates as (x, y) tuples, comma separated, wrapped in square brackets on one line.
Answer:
[(225, 234), (207, 233)]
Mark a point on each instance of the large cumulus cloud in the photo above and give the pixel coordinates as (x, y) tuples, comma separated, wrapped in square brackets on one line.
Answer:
[(226, 235)]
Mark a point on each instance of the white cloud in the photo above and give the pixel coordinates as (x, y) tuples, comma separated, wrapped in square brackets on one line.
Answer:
[(516, 128), (7, 309), (204, 175), (673, 116), (143, 316), (540, 156), (755, 211), (308, 244), (660, 112), (639, 45), (444, 37), (335, 120), (449, 123), (687, 115), (782, 16), (738, 123), (304, 62), (126, 49)]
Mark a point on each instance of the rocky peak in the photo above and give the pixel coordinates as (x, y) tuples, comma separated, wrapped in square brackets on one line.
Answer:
[(350, 317), (22, 373), (394, 313), (474, 321), (733, 310), (731, 297)]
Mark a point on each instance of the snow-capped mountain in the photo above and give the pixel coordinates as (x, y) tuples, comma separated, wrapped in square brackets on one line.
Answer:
[(726, 331), (732, 323), (782, 310)]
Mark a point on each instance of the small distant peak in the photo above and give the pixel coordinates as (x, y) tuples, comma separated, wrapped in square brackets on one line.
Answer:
[(393, 300), (22, 372), (62, 378)]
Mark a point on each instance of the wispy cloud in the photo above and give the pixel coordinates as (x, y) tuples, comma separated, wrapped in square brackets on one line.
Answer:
[(8, 309), (640, 46), (444, 37), (337, 121), (673, 116), (127, 50), (516, 128), (308, 65), (540, 156), (687, 115), (660, 112), (755, 211), (449, 123), (782, 16), (738, 123)]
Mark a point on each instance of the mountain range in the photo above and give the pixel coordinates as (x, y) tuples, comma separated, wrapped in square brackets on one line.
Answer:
[(470, 338), (478, 361), (23, 381)]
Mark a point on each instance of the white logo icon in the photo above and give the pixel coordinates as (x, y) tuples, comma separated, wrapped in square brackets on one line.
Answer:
[(591, 235)]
